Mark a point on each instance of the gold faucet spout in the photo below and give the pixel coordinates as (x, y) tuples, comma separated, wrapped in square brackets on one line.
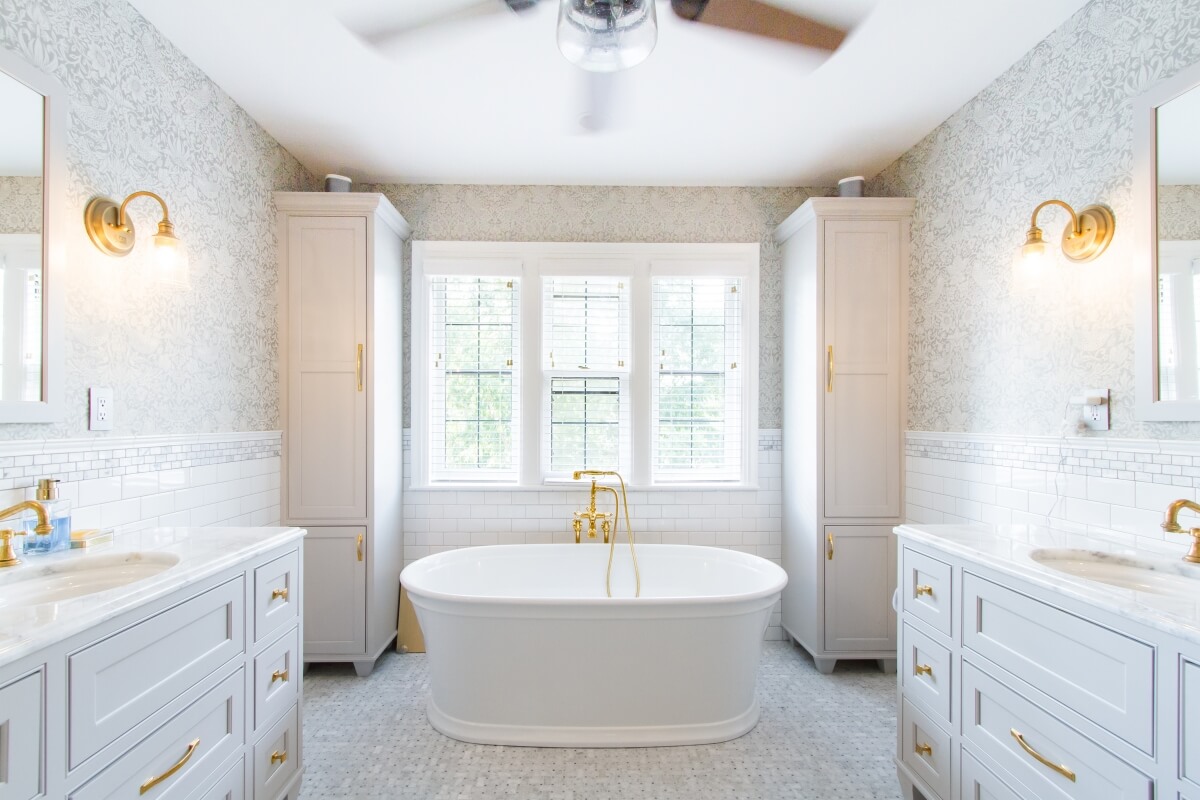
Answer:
[(1171, 523), (43, 524)]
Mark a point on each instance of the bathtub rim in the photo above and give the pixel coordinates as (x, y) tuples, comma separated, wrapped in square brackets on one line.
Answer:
[(773, 589)]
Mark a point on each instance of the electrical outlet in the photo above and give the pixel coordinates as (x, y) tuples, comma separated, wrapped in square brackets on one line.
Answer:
[(1095, 415), (100, 408)]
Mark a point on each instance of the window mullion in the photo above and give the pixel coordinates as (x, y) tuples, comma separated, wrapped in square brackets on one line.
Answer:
[(532, 421), (640, 376)]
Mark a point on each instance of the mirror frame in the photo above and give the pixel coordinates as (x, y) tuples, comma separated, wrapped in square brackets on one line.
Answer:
[(54, 197)]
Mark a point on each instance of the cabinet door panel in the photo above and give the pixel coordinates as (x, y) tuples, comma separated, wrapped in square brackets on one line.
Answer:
[(327, 404), (862, 398), (21, 737), (335, 591), (859, 581)]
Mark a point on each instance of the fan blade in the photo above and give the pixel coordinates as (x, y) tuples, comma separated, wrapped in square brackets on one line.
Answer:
[(760, 19), (457, 13)]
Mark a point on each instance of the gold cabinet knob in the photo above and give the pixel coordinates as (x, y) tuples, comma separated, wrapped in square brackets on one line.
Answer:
[(279, 594), (278, 757), (923, 669), (924, 589), (279, 675), (924, 749)]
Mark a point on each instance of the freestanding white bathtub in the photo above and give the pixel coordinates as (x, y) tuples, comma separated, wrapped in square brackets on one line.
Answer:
[(524, 647)]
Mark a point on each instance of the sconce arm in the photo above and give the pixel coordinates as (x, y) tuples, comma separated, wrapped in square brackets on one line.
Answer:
[(166, 215), (1076, 226)]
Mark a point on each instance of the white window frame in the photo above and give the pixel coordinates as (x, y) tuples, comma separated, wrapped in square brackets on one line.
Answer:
[(640, 262)]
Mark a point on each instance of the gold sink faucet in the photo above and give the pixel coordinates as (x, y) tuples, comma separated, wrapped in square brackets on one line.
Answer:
[(591, 514), (1171, 525), (8, 557)]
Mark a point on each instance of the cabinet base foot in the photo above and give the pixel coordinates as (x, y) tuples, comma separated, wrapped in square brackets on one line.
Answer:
[(887, 665), (825, 665), (364, 668)]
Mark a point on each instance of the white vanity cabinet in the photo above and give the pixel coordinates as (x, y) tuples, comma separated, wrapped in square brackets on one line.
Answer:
[(1009, 688), (172, 698), (341, 333), (845, 272)]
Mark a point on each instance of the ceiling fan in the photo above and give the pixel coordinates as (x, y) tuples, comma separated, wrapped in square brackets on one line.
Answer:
[(607, 36)]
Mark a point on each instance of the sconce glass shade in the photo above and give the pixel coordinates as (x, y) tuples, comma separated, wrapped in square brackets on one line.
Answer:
[(1034, 248), (170, 257), (606, 35)]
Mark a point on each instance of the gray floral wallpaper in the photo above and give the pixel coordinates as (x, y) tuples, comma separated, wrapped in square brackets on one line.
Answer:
[(144, 117), (617, 214), (992, 348), (20, 204), (1179, 213)]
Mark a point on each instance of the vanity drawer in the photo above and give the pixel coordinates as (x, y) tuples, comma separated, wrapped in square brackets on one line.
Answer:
[(193, 744), (276, 598), (276, 756), (1097, 672), (120, 681), (1189, 721), (927, 591), (925, 748), (21, 738), (977, 782), (231, 786), (275, 676), (993, 717), (925, 672)]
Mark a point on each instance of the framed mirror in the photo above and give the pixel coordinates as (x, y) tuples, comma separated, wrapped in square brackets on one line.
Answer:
[(1167, 204), (33, 107)]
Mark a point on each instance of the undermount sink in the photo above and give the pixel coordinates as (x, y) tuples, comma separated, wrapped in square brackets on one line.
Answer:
[(1142, 575), (70, 578)]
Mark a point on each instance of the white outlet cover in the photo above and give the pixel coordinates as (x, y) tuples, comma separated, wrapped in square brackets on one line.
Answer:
[(100, 408)]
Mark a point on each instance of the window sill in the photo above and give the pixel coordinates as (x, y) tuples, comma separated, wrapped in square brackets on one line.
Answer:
[(557, 485)]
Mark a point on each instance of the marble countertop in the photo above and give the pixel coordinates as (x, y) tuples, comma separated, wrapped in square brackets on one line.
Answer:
[(1009, 549), (201, 553)]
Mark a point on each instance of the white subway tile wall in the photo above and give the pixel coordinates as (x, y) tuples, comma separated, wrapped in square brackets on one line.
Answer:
[(748, 520), (133, 483), (1115, 489)]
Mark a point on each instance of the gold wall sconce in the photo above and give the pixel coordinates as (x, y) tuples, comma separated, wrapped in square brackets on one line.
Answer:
[(1084, 239), (111, 230)]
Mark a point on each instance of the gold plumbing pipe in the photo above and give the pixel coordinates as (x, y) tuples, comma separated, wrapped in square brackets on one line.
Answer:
[(637, 575)]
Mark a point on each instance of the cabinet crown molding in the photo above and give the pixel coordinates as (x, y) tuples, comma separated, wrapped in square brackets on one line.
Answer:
[(845, 208), (344, 204)]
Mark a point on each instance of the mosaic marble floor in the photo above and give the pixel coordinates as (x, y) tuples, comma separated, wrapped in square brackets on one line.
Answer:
[(827, 737)]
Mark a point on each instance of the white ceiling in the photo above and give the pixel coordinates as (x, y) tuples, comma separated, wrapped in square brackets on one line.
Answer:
[(1178, 125), (21, 131), (490, 100)]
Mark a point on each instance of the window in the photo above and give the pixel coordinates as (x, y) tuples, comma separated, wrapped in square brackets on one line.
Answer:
[(530, 361)]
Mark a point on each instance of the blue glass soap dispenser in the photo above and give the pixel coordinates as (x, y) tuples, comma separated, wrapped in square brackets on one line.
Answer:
[(59, 512)]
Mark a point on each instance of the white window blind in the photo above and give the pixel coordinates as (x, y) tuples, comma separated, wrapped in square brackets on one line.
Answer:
[(474, 398), (585, 344), (697, 381)]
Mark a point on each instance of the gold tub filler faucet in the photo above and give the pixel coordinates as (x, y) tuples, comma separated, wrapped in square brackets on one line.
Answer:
[(1171, 525), (608, 523), (8, 556)]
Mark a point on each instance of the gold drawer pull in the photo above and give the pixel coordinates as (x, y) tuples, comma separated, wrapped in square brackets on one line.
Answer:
[(829, 553), (278, 757), (923, 669), (279, 594), (150, 784), (279, 675), (358, 547), (358, 367), (1059, 768), (924, 750), (829, 368), (923, 589)]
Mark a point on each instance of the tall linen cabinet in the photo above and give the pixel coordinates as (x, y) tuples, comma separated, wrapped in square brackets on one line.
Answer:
[(845, 279), (341, 328)]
